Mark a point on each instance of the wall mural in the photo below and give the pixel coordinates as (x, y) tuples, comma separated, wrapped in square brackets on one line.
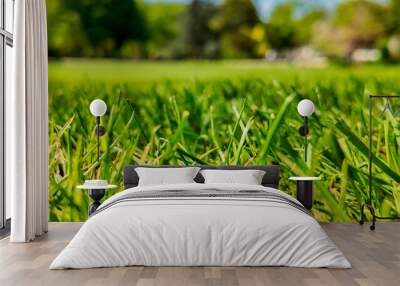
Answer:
[(245, 121), (228, 97)]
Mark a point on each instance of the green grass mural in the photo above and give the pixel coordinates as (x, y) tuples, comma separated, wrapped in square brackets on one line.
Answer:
[(220, 113)]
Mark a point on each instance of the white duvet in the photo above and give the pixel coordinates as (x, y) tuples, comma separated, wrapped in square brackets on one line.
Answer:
[(202, 232)]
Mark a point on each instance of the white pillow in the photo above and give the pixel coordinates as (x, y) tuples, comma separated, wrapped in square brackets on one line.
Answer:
[(166, 176), (248, 177)]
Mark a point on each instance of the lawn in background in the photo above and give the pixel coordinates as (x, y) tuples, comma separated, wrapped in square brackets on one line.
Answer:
[(144, 73), (224, 112)]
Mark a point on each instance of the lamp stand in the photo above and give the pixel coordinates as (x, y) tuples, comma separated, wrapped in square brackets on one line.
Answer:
[(304, 132), (98, 139), (100, 131)]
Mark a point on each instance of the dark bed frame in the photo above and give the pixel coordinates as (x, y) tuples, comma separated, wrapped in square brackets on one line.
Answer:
[(270, 179)]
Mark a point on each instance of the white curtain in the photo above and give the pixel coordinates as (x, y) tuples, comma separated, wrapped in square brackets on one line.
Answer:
[(27, 124)]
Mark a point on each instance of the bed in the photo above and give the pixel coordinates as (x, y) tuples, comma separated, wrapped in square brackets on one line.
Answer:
[(198, 224)]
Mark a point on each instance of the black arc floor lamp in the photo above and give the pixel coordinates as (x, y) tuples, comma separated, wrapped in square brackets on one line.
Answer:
[(371, 156)]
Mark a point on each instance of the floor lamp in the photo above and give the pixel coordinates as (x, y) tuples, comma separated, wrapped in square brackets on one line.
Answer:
[(305, 108)]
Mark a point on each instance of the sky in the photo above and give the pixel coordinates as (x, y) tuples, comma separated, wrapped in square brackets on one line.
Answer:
[(265, 7)]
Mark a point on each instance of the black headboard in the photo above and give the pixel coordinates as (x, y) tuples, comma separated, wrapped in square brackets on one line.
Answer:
[(270, 179)]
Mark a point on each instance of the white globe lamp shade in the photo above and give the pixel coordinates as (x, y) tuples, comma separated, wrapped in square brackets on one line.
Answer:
[(305, 107), (98, 107)]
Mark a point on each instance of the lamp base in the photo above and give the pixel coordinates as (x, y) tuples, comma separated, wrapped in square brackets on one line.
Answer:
[(100, 130), (373, 215), (96, 195), (303, 131)]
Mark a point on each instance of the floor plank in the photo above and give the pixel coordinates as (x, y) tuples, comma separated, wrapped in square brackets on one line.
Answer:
[(375, 257)]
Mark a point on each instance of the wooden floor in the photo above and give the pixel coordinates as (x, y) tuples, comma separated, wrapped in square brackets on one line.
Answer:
[(375, 257)]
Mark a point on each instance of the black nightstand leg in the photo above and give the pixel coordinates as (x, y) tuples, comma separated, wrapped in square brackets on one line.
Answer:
[(305, 193), (96, 196)]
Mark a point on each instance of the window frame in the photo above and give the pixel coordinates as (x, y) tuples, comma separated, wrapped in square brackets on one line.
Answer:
[(6, 39)]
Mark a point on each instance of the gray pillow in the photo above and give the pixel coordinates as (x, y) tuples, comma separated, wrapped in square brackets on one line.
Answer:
[(247, 177), (166, 176)]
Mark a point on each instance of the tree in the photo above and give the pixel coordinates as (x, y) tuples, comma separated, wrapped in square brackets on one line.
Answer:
[(393, 18), (306, 24), (199, 39), (356, 24), (165, 28), (391, 47), (361, 23), (236, 21), (62, 26), (281, 28), (285, 31), (109, 24)]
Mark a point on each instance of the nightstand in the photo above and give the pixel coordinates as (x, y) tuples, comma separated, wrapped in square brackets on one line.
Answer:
[(96, 192), (305, 190)]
